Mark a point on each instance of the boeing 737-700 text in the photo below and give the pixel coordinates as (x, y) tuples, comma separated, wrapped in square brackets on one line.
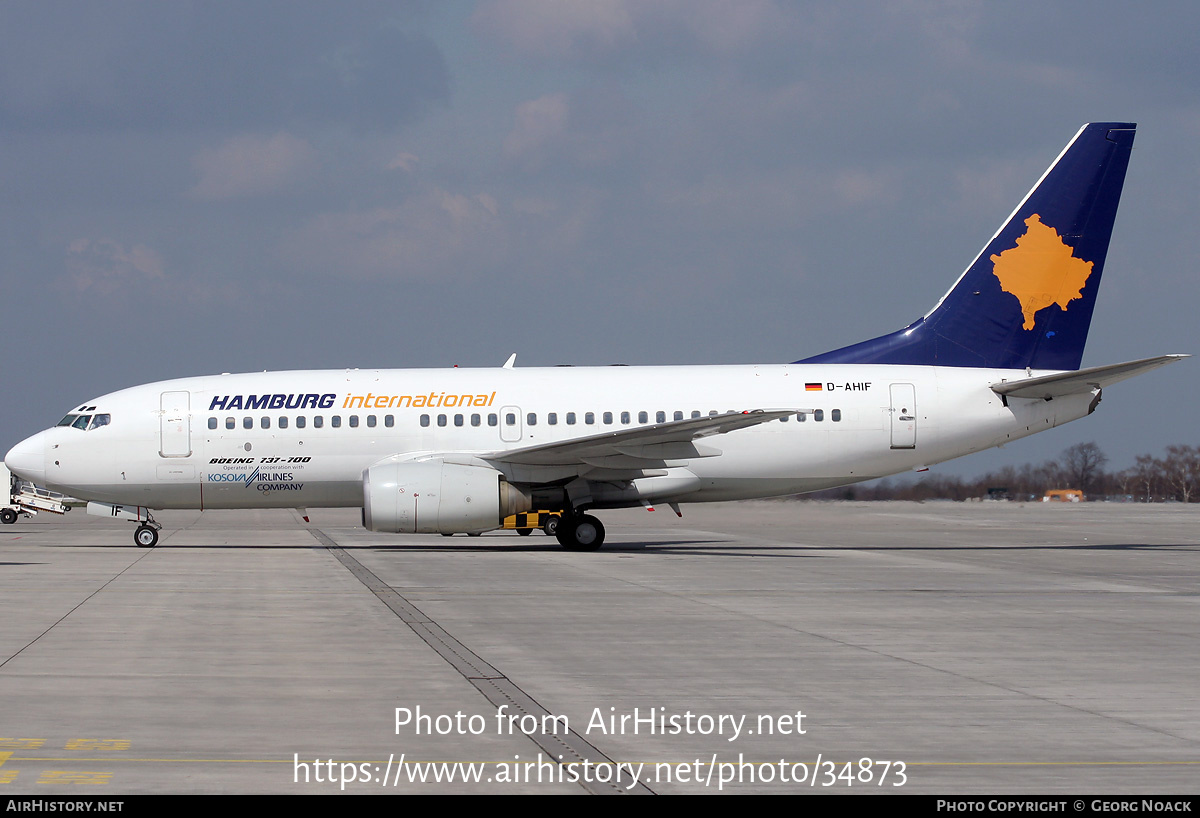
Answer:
[(448, 451)]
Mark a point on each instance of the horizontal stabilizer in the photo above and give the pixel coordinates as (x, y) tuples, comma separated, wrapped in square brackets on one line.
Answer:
[(1046, 387)]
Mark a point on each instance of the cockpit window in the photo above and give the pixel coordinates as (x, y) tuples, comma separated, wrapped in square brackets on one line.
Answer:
[(86, 422)]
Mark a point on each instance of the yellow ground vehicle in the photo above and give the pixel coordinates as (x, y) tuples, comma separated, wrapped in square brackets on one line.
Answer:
[(1063, 496), (524, 524)]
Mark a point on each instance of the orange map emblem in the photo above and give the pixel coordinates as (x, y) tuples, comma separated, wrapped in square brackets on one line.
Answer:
[(1040, 270)]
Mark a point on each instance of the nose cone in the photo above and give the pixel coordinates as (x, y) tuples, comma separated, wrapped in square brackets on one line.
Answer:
[(27, 459)]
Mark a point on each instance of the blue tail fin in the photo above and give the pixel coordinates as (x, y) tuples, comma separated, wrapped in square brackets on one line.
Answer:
[(1027, 299)]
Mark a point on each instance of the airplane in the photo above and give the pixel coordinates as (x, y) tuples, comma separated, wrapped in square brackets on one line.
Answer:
[(458, 450)]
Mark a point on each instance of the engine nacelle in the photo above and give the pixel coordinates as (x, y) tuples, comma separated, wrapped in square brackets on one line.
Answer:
[(434, 497)]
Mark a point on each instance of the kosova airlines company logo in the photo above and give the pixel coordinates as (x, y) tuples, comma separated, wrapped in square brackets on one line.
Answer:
[(259, 479), (296, 400), (1041, 270)]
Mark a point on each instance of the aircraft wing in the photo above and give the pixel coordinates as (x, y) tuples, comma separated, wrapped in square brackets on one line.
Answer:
[(660, 441), (1046, 387)]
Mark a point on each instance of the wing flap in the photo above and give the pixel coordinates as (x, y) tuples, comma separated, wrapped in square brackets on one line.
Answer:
[(653, 443)]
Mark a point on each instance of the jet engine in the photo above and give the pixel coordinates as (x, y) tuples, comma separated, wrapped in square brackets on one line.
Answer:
[(434, 497)]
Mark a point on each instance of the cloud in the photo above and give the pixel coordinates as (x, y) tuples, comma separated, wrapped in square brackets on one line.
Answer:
[(538, 121), (725, 25), (592, 128), (152, 66), (105, 266), (251, 166), (106, 269), (434, 234), (553, 28), (856, 187), (406, 162), (591, 28)]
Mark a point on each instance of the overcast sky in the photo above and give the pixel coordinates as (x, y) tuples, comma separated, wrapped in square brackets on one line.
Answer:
[(191, 188)]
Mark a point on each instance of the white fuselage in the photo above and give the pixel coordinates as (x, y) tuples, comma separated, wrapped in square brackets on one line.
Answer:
[(304, 438)]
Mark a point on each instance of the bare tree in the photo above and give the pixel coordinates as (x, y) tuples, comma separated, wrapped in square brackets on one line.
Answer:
[(1146, 473), (1181, 471), (1126, 481), (1150, 480), (1082, 465)]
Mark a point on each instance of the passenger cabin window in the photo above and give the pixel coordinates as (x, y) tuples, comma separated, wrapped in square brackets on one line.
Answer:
[(336, 421), (265, 423), (441, 420), (283, 422), (836, 415), (354, 421), (476, 420), (819, 414), (608, 417), (389, 421), (570, 418), (370, 421), (458, 420), (230, 423), (247, 423), (301, 421), (212, 423), (590, 418), (625, 417), (318, 421), (493, 419), (531, 418), (424, 420), (552, 418)]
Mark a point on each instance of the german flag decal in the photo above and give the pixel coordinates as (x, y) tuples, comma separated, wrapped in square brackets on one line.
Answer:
[(812, 387)]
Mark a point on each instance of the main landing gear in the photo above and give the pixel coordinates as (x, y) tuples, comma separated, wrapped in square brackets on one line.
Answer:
[(146, 535), (581, 532)]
